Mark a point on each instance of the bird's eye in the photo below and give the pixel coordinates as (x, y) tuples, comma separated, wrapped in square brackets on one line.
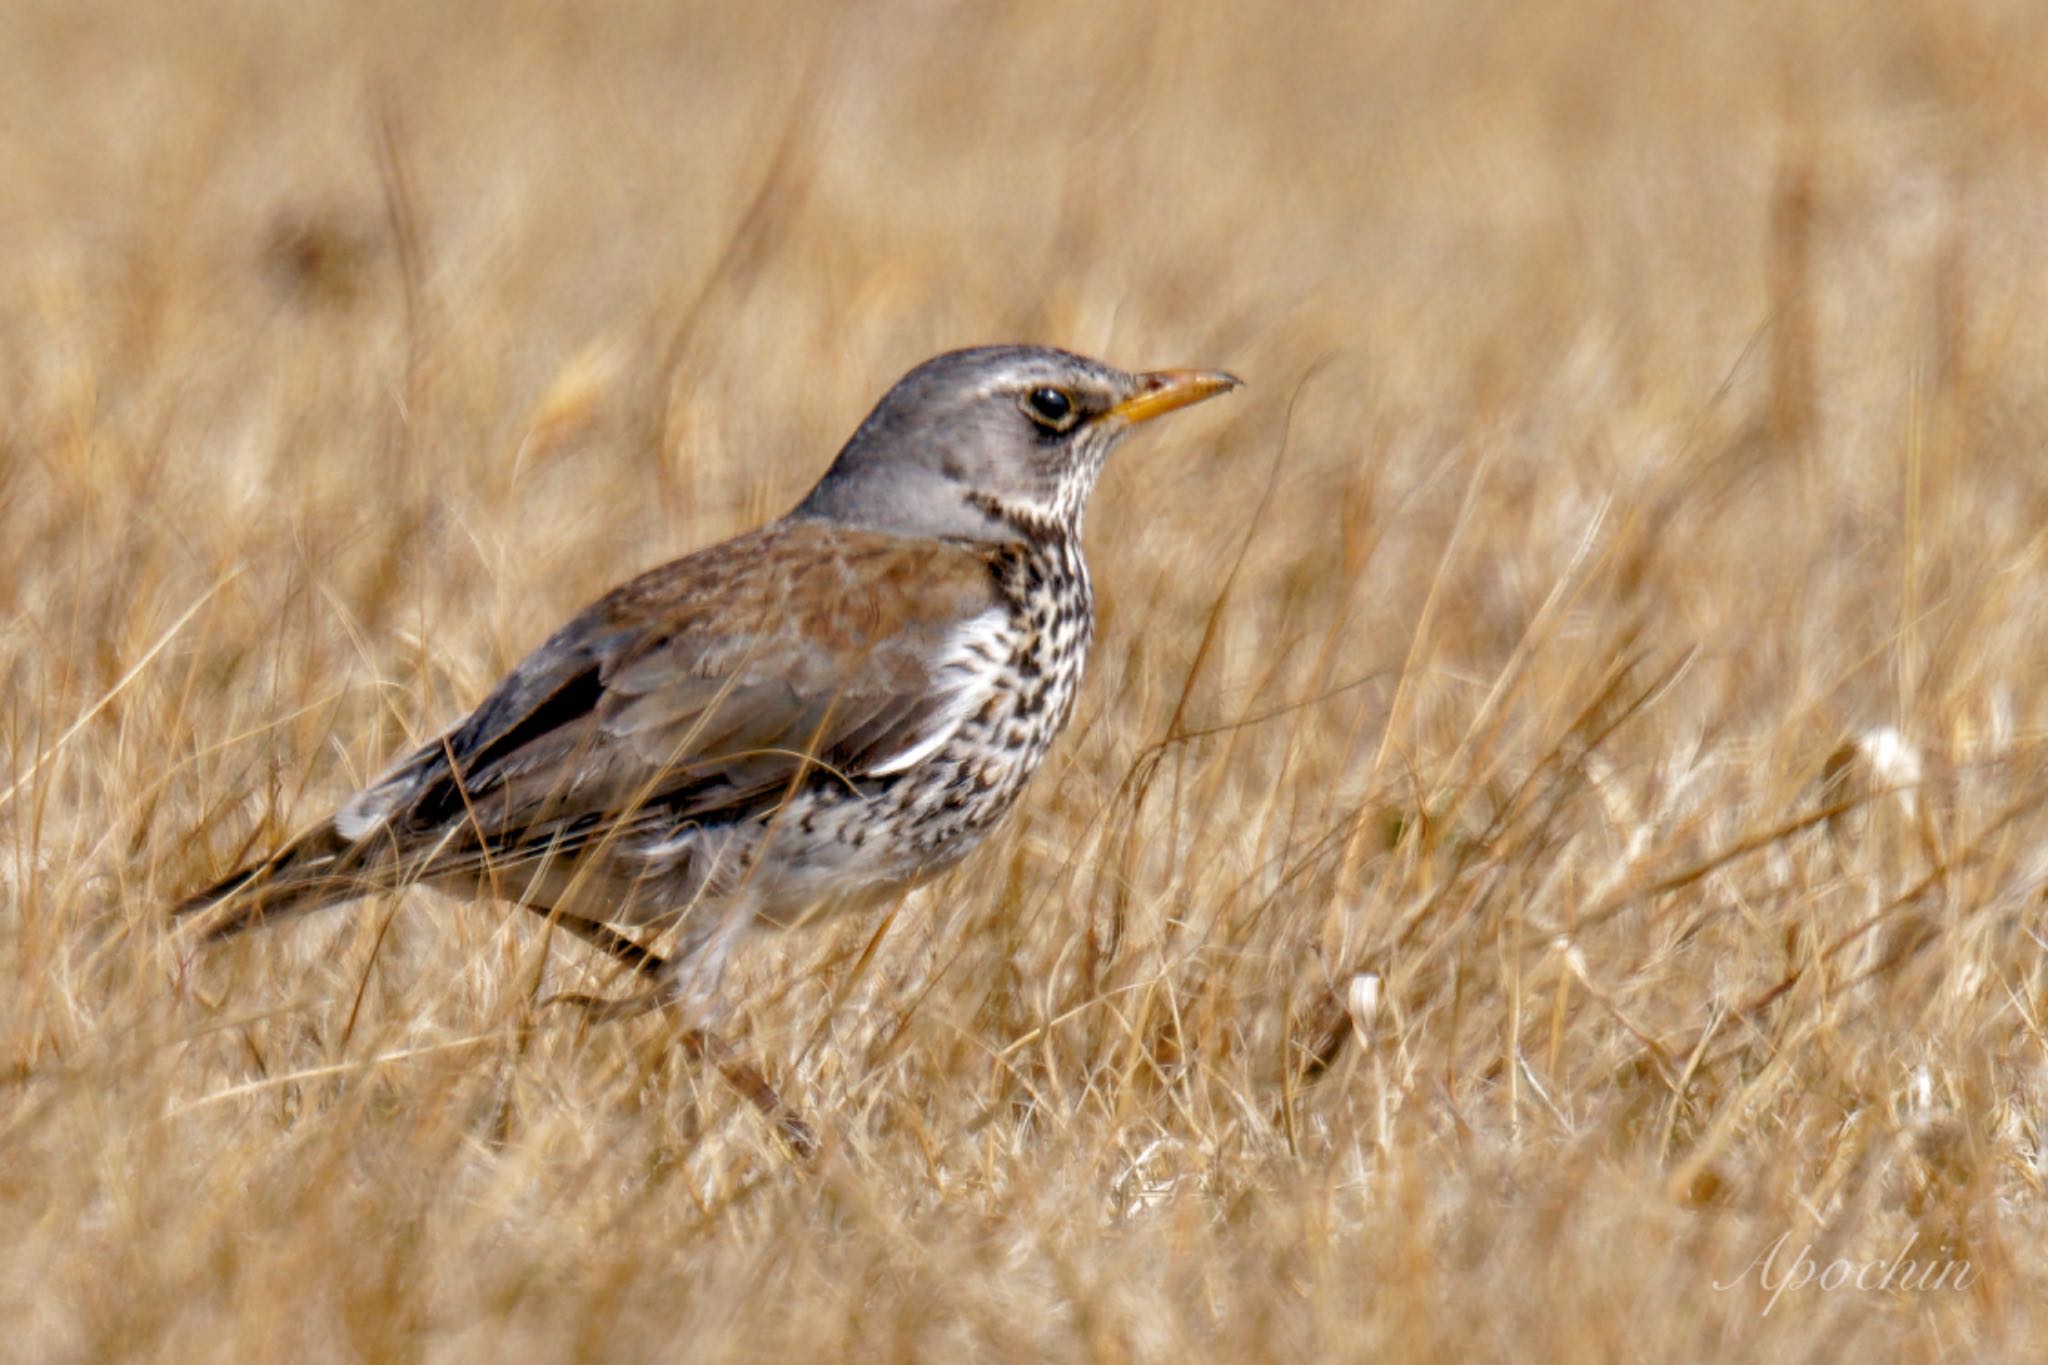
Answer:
[(1051, 408)]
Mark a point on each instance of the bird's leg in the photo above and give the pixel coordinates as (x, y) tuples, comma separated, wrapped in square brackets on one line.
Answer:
[(642, 960), (598, 1009), (701, 1044), (701, 956)]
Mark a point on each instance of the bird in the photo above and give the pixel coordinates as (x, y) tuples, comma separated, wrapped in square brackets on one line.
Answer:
[(805, 719)]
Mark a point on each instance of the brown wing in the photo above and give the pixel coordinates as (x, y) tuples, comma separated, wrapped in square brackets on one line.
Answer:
[(699, 690)]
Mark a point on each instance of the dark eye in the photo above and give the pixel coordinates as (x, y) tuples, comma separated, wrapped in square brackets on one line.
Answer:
[(1050, 408)]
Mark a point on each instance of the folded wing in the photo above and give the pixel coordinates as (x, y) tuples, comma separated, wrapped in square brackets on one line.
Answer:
[(702, 691)]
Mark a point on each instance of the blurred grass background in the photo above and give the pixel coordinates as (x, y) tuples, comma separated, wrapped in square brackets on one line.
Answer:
[(1557, 803)]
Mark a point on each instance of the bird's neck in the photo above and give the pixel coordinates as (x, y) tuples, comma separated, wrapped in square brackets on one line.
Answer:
[(1030, 523)]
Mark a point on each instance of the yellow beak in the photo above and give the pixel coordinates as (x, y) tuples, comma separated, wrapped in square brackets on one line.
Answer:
[(1162, 391)]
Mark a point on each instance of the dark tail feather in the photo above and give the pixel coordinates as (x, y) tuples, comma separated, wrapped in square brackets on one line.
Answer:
[(312, 872)]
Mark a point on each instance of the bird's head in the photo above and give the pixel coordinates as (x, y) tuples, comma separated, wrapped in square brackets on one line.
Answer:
[(995, 443)]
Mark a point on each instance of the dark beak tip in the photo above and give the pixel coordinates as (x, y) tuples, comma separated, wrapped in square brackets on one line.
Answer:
[(1164, 391)]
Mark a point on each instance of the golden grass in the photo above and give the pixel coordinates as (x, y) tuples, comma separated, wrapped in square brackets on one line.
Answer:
[(1558, 803)]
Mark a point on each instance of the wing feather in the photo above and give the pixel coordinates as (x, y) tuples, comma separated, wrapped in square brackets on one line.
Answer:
[(698, 690)]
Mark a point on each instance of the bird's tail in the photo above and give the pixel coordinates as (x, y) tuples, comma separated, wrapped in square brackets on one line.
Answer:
[(318, 869)]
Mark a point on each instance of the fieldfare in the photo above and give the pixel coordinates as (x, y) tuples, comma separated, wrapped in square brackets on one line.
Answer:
[(807, 717)]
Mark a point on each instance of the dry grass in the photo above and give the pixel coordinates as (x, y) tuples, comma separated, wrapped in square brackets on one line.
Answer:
[(1612, 620)]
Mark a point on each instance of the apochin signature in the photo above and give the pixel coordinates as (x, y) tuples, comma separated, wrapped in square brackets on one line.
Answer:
[(1777, 1271)]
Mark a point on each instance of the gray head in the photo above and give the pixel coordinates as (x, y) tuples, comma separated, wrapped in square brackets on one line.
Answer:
[(994, 443)]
